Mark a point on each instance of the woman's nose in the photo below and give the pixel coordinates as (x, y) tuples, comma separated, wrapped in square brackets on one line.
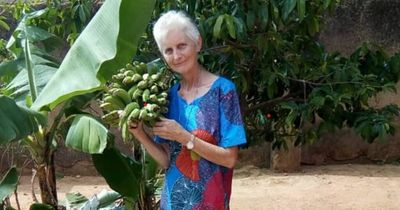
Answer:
[(177, 55)]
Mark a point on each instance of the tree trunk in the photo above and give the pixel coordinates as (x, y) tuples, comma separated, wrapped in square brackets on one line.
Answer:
[(283, 160), (47, 180)]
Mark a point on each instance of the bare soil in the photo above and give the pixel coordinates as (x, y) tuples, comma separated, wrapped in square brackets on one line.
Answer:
[(349, 186)]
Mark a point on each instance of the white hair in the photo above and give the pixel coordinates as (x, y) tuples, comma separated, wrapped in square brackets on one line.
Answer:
[(174, 20)]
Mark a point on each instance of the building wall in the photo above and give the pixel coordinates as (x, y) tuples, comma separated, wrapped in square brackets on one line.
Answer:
[(355, 22)]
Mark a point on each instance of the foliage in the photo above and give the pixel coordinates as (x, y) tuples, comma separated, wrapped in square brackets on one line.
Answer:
[(104, 199), (285, 77), (65, 19), (94, 58), (8, 184)]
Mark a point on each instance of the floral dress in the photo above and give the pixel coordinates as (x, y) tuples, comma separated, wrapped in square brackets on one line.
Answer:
[(192, 182)]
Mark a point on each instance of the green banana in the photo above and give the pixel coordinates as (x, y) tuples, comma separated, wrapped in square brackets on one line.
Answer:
[(134, 115), (137, 77), (155, 77), (129, 73), (162, 101), (107, 106), (121, 93), (143, 115), (154, 89), (125, 132), (164, 94), (127, 80), (131, 91), (145, 76), (138, 93), (127, 111), (146, 95), (115, 100), (153, 98), (153, 108), (111, 118), (142, 84), (129, 66), (164, 110)]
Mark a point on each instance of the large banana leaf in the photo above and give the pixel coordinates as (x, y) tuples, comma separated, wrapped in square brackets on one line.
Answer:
[(9, 183), (17, 122), (87, 135), (44, 67), (120, 172), (106, 44)]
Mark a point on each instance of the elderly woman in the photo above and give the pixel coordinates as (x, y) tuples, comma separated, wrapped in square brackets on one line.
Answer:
[(198, 142)]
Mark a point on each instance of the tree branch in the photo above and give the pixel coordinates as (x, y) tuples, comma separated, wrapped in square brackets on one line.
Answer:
[(270, 103)]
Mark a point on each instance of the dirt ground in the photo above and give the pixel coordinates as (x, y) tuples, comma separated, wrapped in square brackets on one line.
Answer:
[(366, 187)]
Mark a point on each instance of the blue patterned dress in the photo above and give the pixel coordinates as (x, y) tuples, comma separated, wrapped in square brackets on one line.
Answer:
[(192, 182)]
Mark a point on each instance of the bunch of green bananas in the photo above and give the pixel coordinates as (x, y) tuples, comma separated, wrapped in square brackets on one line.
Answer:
[(136, 93)]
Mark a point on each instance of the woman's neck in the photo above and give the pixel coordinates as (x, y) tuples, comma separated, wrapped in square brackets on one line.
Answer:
[(193, 80)]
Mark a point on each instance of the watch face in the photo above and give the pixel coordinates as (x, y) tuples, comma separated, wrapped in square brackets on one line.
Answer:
[(190, 145)]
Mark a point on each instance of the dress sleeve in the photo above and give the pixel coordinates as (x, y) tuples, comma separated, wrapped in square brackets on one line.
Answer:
[(232, 128)]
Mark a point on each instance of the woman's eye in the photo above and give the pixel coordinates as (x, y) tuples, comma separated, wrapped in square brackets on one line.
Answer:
[(181, 46), (168, 51)]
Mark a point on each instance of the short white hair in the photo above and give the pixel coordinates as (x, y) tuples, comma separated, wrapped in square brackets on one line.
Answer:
[(174, 20)]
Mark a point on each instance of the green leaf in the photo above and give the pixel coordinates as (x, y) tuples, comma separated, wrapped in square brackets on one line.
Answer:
[(317, 101), (264, 16), (107, 197), (74, 200), (11, 67), (327, 3), (86, 134), (217, 26), (23, 29), (82, 13), (40, 206), (230, 25), (120, 172), (301, 9), (4, 25), (19, 86), (288, 6), (313, 26), (9, 183), (250, 20), (108, 42), (17, 122)]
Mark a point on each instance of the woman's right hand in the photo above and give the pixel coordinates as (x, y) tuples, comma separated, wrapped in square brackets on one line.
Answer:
[(136, 129)]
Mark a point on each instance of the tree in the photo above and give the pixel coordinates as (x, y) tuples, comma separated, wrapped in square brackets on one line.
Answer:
[(286, 79)]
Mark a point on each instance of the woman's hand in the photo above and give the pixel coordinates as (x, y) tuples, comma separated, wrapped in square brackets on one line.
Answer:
[(170, 130), (136, 129)]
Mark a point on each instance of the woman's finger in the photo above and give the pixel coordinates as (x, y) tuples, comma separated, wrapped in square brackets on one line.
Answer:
[(133, 125)]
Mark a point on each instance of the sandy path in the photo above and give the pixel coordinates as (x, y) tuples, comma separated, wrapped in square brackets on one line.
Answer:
[(364, 187)]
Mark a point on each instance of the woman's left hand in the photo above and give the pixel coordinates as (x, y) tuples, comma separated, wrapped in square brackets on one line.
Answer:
[(168, 129)]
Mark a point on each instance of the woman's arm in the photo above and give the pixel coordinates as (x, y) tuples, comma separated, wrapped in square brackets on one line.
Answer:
[(169, 129), (160, 152)]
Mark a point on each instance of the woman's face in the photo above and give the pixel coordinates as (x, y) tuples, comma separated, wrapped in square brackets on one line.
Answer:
[(180, 52)]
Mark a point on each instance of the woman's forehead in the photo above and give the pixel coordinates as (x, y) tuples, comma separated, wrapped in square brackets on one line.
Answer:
[(174, 37)]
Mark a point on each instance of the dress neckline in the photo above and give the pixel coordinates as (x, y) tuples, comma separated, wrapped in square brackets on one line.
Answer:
[(199, 97)]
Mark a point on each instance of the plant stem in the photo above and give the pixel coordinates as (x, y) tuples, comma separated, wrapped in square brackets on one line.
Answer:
[(31, 75)]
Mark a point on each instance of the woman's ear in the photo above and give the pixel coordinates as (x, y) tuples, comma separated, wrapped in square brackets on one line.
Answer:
[(199, 44)]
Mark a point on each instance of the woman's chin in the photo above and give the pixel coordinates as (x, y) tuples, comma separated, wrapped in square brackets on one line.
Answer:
[(180, 70)]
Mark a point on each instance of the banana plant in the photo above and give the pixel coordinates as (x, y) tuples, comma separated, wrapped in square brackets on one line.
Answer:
[(42, 87)]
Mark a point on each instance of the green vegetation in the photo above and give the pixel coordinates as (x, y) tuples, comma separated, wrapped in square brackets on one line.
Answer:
[(289, 85)]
